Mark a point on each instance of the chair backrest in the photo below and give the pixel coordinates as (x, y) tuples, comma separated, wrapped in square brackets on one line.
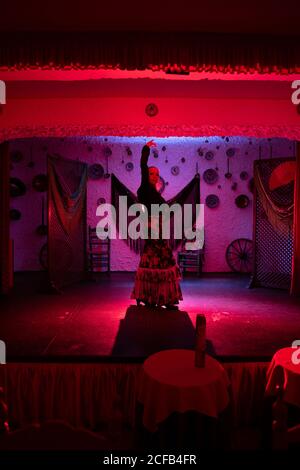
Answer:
[(94, 240)]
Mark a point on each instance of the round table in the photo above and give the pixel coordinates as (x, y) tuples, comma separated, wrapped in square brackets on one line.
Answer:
[(170, 382), (283, 371)]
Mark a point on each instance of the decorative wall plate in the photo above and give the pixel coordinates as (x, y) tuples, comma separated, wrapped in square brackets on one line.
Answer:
[(16, 156), (175, 170), (95, 171), (101, 200), (129, 166), (40, 183), (230, 152), (151, 109), (14, 214), (107, 152), (212, 201), (17, 187), (209, 155), (242, 201), (244, 175), (210, 176)]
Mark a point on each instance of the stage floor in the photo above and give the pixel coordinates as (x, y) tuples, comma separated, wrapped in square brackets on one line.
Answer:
[(98, 321)]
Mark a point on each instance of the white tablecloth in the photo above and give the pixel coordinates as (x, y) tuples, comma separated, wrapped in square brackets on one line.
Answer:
[(171, 383)]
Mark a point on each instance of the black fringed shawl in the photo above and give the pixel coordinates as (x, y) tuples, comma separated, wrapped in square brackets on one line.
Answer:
[(190, 194)]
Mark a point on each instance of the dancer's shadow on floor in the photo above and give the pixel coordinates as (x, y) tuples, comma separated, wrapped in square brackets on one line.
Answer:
[(145, 331)]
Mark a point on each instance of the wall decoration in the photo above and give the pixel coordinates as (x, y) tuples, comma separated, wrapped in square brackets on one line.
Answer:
[(17, 187), (230, 152), (155, 153), (212, 201), (14, 214), (95, 171), (182, 160), (129, 166), (16, 156), (210, 176), (40, 183), (200, 152), (129, 151), (234, 186), (244, 175), (151, 110), (209, 155), (228, 175), (239, 255), (242, 201), (175, 170), (164, 148), (107, 151), (101, 200)]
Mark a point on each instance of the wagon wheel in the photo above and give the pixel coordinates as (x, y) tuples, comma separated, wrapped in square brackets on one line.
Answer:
[(239, 255)]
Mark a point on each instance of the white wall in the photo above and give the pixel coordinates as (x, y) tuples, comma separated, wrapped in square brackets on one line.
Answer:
[(222, 225)]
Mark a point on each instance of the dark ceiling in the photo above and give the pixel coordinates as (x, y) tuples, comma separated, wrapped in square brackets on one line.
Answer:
[(232, 16)]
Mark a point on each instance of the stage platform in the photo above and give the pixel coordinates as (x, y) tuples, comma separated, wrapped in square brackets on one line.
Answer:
[(97, 321)]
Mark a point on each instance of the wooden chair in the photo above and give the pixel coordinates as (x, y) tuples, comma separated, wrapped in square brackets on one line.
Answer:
[(98, 252), (191, 260)]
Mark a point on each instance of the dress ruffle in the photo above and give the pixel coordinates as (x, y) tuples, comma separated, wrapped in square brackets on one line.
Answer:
[(157, 286)]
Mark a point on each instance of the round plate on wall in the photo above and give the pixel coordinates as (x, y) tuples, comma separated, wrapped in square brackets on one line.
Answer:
[(17, 187), (175, 170), (209, 155), (129, 166), (244, 175), (212, 201), (242, 201), (16, 156), (101, 200), (151, 110), (210, 176), (40, 183), (14, 214), (95, 171)]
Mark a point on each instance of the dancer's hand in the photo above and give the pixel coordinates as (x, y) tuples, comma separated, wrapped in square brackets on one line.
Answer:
[(151, 143)]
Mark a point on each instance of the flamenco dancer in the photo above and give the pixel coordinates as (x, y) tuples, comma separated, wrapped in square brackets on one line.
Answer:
[(158, 275)]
